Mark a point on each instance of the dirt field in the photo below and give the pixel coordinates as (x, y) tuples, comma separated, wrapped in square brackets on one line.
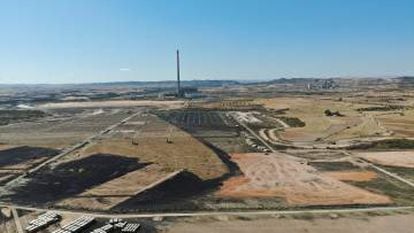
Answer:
[(276, 175), (379, 224), (113, 103), (390, 158), (357, 176)]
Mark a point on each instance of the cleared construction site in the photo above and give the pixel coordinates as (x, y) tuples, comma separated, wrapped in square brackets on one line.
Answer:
[(218, 155)]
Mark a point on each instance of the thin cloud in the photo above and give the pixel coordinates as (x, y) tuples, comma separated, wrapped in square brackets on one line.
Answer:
[(124, 69)]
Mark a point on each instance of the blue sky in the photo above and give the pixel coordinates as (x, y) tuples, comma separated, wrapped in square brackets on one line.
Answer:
[(65, 41)]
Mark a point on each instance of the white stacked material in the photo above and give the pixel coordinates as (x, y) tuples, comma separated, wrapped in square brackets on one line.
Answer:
[(62, 231), (42, 221), (115, 220), (120, 224), (104, 229), (131, 228), (77, 225), (248, 117)]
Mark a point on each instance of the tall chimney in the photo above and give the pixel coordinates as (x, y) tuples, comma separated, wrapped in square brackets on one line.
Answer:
[(178, 74)]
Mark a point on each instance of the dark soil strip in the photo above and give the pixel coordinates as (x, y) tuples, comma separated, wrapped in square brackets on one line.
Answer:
[(50, 185), (22, 154)]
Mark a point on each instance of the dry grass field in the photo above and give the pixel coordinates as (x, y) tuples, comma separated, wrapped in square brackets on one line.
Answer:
[(318, 125), (401, 124), (276, 175)]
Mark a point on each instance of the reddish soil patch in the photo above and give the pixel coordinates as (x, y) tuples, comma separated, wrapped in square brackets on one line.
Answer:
[(278, 175), (357, 176)]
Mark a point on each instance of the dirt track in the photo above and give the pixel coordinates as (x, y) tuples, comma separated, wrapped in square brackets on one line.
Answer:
[(276, 175)]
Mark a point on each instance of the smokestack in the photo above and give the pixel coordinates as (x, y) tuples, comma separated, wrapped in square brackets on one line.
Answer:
[(178, 74)]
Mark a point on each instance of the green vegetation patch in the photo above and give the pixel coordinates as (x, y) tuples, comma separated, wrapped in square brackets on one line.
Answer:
[(381, 108), (12, 116), (387, 144), (400, 193), (292, 121), (333, 166), (405, 172)]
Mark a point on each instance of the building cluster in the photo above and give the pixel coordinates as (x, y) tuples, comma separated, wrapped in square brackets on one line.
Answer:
[(324, 84)]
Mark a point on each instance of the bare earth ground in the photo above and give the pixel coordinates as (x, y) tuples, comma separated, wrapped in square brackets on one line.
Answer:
[(357, 176), (379, 224), (390, 158), (113, 103), (277, 175)]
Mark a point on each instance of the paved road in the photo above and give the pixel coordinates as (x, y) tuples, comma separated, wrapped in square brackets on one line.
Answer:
[(217, 213)]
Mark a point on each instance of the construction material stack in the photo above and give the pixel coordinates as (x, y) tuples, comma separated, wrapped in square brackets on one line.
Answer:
[(130, 228), (108, 228), (77, 225), (42, 222)]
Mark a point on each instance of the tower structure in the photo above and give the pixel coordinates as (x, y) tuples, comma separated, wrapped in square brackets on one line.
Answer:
[(178, 74)]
